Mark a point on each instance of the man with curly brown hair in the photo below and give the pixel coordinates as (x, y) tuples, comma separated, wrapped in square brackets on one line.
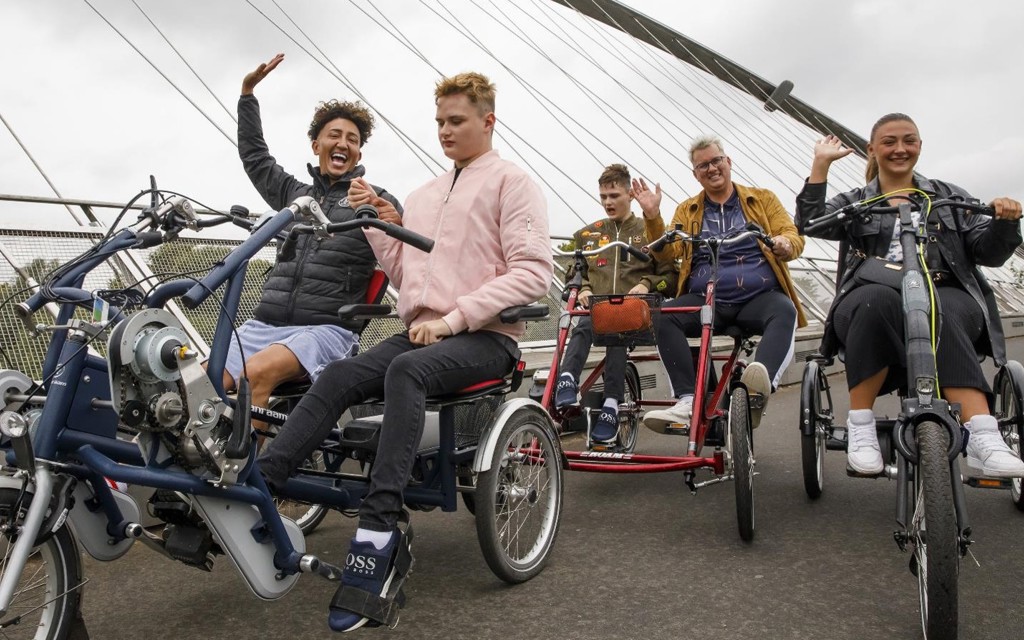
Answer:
[(295, 331)]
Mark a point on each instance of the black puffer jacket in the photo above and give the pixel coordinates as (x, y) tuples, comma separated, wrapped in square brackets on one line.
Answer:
[(965, 242), (324, 274)]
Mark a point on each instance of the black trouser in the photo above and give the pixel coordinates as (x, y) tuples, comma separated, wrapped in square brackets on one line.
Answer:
[(770, 315), (614, 362), (404, 374), (869, 323)]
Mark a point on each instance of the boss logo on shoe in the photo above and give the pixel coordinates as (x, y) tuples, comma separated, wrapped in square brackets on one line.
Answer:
[(361, 564)]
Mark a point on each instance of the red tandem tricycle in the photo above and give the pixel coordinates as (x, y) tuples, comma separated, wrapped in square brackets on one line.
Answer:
[(718, 437)]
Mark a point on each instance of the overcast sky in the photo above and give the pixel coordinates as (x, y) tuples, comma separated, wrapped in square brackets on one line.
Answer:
[(99, 119)]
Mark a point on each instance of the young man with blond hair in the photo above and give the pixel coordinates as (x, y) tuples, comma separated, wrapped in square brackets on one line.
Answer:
[(489, 222)]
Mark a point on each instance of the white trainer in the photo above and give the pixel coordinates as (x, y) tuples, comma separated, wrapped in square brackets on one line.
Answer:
[(988, 453), (755, 378), (862, 451), (678, 414)]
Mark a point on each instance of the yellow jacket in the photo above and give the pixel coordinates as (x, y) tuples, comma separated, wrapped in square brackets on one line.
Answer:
[(760, 206)]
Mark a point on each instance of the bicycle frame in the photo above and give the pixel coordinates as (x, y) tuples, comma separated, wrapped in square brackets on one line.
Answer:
[(705, 411)]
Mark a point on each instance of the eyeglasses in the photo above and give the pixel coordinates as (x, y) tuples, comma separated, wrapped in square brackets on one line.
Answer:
[(715, 162)]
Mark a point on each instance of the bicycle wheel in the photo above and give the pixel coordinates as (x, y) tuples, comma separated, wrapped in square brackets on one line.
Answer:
[(629, 411), (307, 516), (741, 455), (48, 592), (1009, 399), (818, 417), (519, 499), (934, 535)]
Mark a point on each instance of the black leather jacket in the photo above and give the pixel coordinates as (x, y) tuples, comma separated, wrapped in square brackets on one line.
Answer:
[(324, 274), (964, 241)]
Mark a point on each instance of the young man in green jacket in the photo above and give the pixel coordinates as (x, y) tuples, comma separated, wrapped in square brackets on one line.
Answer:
[(613, 272)]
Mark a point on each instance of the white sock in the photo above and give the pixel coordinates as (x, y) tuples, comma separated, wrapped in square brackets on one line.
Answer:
[(611, 404), (380, 539), (861, 417)]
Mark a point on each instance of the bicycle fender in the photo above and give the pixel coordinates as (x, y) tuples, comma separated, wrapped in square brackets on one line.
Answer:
[(489, 437)]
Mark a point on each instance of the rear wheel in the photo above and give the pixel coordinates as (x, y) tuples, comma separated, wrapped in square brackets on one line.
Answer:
[(1009, 388), (48, 591), (816, 415), (519, 499), (629, 411), (934, 535), (741, 455)]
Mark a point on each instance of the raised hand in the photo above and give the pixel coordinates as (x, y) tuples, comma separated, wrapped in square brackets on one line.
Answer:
[(253, 78), (830, 149), (649, 201)]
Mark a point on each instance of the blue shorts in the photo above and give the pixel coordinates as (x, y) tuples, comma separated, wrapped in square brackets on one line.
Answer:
[(315, 346)]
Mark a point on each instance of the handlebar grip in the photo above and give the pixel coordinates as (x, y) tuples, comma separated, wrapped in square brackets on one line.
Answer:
[(641, 255), (357, 311), (422, 243), (244, 223), (287, 250), (148, 239), (767, 240)]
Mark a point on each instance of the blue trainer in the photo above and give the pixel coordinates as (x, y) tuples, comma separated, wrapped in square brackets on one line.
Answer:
[(370, 591), (605, 427), (566, 392)]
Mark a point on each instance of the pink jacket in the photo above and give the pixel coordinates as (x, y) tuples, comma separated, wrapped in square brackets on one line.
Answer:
[(491, 248)]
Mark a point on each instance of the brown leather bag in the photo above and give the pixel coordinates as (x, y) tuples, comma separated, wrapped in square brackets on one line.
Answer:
[(620, 314)]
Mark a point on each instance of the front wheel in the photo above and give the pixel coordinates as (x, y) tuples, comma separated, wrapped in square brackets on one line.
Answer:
[(742, 457), (48, 591), (629, 411), (519, 499), (934, 534), (816, 416)]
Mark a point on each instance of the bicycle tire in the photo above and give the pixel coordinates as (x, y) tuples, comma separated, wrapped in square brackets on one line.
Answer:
[(629, 412), (742, 459), (47, 607), (936, 545), (812, 447), (1009, 388), (519, 499)]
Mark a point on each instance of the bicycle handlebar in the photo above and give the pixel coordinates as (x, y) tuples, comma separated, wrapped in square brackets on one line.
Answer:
[(863, 209), (366, 216), (677, 234), (640, 254)]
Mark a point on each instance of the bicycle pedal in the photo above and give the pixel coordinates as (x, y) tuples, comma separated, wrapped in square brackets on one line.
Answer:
[(988, 483), (609, 448), (678, 430), (755, 401), (853, 473)]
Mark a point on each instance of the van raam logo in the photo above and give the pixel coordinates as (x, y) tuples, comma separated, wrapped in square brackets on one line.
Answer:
[(606, 454)]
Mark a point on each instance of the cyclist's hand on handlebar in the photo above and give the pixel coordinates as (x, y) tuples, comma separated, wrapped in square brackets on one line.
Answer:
[(830, 149), (253, 78), (782, 248), (360, 192), (429, 332), (649, 201), (387, 212), (583, 298), (640, 288), (1006, 209)]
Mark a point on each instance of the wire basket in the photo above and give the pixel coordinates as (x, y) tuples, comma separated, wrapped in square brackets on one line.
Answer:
[(625, 320)]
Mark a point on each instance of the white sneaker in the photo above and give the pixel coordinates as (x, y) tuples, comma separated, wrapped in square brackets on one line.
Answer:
[(755, 378), (987, 453), (862, 451), (678, 414)]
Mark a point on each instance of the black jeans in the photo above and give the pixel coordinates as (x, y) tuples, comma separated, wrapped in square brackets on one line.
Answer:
[(770, 315), (576, 358), (404, 374), (869, 324)]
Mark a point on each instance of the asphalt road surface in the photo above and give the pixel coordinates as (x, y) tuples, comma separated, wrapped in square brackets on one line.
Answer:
[(637, 556)]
